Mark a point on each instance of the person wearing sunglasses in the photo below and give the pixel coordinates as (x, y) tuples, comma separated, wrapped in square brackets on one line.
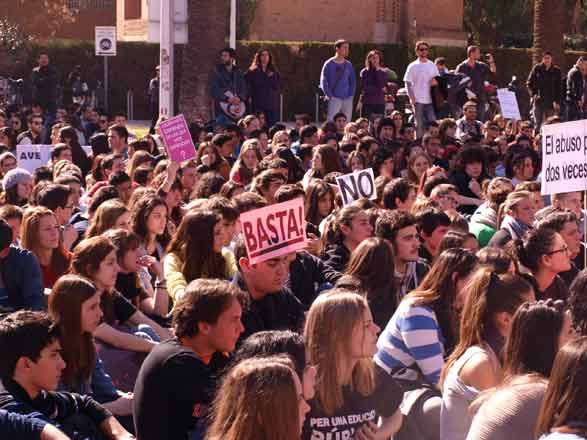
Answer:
[(419, 78), (34, 134), (544, 254)]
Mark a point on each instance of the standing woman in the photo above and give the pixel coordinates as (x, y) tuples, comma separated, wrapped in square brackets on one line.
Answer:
[(196, 251), (260, 398), (474, 365), (545, 254), (17, 184), (264, 84), (41, 235), (341, 340), (373, 82), (563, 415)]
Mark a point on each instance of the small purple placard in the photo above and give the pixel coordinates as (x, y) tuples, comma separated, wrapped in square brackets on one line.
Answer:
[(177, 139)]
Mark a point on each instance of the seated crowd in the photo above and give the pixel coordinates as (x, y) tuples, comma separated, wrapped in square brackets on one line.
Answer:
[(453, 306)]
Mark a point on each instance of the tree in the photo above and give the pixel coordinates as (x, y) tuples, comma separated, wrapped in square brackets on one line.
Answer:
[(38, 17), (549, 21), (208, 28)]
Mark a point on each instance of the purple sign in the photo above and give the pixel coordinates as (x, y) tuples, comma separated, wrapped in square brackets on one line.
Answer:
[(177, 139)]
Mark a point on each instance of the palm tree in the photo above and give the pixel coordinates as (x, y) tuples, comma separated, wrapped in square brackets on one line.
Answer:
[(208, 28), (549, 21)]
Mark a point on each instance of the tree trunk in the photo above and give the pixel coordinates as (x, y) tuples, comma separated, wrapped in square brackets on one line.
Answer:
[(208, 28), (549, 20)]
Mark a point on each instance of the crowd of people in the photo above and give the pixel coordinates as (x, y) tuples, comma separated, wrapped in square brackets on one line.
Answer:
[(453, 306)]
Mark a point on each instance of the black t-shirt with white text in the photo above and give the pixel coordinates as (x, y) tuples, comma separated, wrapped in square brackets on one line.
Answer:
[(173, 391), (356, 411)]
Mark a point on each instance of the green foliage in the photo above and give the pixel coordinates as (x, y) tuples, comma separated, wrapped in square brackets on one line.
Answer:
[(494, 22)]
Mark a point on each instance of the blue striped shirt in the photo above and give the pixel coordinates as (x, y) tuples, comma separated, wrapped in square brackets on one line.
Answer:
[(412, 336)]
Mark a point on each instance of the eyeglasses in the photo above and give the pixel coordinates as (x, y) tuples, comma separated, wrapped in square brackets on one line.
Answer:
[(564, 249)]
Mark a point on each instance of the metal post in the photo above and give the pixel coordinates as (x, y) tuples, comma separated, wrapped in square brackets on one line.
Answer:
[(232, 39), (317, 107), (106, 83), (281, 107), (166, 107)]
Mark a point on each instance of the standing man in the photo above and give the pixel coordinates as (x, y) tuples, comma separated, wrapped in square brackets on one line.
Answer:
[(338, 82), (44, 81), (153, 93), (228, 89), (545, 86), (577, 90), (480, 74), (419, 78)]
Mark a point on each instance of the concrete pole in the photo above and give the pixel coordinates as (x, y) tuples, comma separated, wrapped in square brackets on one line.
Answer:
[(166, 107), (232, 39)]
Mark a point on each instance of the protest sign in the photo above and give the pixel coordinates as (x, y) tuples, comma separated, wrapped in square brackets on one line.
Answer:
[(177, 139), (509, 104), (357, 185), (31, 157), (564, 157), (274, 230)]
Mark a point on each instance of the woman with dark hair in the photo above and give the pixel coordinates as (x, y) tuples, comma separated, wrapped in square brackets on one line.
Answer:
[(99, 144), (319, 201), (74, 305), (538, 331), (469, 176), (364, 274), (68, 135), (295, 172), (264, 85), (383, 163), (196, 251), (280, 342), (520, 165), (267, 182), (149, 222), (209, 184), (563, 415), (474, 365), (545, 254), (8, 138), (343, 234), (324, 161), (499, 260), (373, 83)]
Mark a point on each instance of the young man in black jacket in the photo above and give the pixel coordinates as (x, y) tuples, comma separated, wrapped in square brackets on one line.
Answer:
[(31, 367), (272, 305), (545, 86)]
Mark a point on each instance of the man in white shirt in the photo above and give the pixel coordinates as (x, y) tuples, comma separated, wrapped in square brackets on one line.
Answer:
[(420, 76)]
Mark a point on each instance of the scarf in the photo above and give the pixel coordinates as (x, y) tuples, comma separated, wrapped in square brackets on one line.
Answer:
[(486, 216), (516, 228)]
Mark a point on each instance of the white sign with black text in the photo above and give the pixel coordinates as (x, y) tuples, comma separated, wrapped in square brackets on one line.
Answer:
[(357, 185), (31, 157), (509, 104)]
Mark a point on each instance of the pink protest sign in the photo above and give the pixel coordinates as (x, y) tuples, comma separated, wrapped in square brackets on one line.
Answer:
[(274, 230), (177, 139)]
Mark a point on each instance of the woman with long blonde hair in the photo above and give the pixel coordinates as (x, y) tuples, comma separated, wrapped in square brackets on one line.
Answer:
[(260, 398), (341, 341), (248, 158)]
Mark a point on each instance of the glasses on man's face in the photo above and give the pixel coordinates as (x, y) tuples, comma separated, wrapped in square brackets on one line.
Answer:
[(564, 249), (37, 123)]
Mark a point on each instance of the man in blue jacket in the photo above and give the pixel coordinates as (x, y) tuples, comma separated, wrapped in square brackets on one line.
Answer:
[(338, 82), (21, 286)]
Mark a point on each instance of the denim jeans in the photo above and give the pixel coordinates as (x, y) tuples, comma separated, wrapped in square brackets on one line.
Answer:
[(336, 105), (424, 115)]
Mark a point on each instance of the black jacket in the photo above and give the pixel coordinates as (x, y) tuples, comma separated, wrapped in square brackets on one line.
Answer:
[(336, 256), (222, 81), (306, 273), (52, 407), (546, 84), (22, 278), (44, 81), (576, 87), (276, 311)]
